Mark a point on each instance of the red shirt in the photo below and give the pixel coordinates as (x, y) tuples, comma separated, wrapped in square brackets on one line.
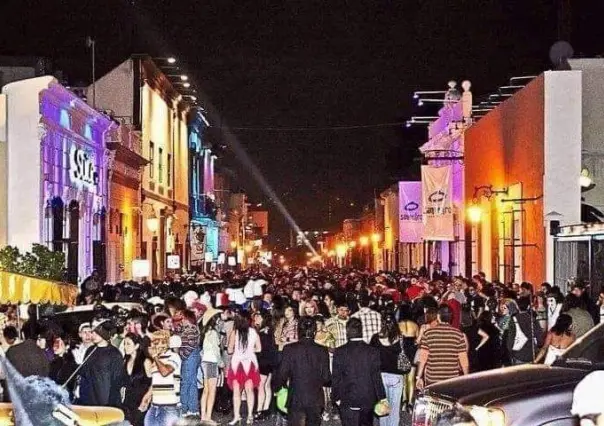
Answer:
[(455, 307), (395, 294), (414, 291)]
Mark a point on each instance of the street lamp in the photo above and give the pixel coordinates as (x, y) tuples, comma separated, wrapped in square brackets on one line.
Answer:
[(585, 179), (153, 222), (376, 238), (233, 245), (364, 241), (474, 213), (352, 244), (341, 250)]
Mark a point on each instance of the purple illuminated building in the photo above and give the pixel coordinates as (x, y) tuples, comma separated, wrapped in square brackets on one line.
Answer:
[(56, 192)]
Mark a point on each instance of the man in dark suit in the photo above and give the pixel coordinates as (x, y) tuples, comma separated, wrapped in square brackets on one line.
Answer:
[(305, 366), (356, 381)]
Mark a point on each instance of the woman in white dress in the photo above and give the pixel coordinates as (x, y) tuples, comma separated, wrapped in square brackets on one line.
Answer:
[(243, 372), (558, 339)]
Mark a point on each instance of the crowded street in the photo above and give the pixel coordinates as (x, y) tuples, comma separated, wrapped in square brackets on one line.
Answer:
[(287, 213)]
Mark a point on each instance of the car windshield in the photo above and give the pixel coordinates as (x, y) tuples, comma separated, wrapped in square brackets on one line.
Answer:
[(587, 351)]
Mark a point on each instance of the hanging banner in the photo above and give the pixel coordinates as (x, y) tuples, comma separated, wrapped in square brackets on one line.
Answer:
[(411, 225), (437, 207), (198, 243)]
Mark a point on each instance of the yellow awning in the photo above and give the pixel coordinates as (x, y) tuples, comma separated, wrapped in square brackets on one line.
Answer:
[(15, 288)]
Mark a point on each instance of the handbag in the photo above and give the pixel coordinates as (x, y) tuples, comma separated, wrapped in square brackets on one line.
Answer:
[(520, 338), (403, 363)]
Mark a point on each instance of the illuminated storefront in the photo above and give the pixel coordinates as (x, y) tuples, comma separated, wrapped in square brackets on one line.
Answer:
[(57, 177)]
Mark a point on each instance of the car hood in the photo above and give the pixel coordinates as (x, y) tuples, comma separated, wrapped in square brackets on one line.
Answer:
[(487, 387)]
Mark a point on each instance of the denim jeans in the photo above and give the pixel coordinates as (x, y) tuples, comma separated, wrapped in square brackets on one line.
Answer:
[(162, 416), (393, 384), (189, 399)]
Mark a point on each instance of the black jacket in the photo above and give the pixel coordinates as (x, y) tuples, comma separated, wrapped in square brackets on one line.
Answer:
[(356, 379), (28, 359), (305, 365), (529, 325)]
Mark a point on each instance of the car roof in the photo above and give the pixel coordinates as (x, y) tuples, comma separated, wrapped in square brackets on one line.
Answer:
[(129, 306)]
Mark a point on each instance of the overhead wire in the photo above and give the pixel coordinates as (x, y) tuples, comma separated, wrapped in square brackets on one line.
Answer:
[(317, 128)]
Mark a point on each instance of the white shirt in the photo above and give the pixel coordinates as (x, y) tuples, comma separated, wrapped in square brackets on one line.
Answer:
[(166, 390)]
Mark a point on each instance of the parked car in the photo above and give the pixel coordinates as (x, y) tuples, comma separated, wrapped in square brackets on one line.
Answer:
[(527, 395)]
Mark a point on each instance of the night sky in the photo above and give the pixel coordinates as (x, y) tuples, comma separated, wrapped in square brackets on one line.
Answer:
[(310, 64)]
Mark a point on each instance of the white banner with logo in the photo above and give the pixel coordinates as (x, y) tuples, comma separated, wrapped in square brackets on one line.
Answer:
[(437, 206), (411, 225)]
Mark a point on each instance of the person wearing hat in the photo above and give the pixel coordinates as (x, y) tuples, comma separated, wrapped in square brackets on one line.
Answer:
[(163, 398), (588, 405), (102, 375), (210, 362), (85, 334)]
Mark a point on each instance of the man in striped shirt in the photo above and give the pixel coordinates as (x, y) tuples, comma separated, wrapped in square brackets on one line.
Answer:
[(443, 352), (163, 395)]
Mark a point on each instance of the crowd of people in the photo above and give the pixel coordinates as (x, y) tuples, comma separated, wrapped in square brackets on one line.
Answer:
[(344, 343)]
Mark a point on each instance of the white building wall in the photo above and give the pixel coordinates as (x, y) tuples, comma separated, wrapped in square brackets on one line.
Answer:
[(24, 161), (562, 153), (593, 125)]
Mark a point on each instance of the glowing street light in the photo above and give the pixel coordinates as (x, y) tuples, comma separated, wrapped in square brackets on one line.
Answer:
[(153, 223), (364, 241), (474, 213), (341, 250), (376, 238), (352, 244), (585, 179), (233, 245), (171, 60)]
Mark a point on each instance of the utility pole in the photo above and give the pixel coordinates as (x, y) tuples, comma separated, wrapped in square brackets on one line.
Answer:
[(564, 20), (91, 44)]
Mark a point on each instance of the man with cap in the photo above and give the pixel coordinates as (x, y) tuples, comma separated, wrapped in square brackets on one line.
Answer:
[(588, 404), (103, 374), (85, 334)]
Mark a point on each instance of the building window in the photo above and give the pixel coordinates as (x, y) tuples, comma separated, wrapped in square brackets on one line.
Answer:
[(160, 165), (151, 159), (169, 165)]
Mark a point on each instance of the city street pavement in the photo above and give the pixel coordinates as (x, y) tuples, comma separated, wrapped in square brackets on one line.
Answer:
[(405, 421)]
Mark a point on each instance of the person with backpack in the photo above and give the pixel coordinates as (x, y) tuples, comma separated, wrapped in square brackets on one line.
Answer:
[(524, 335)]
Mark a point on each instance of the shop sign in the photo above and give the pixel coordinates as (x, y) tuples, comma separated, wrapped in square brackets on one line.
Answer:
[(173, 261), (411, 226), (82, 168)]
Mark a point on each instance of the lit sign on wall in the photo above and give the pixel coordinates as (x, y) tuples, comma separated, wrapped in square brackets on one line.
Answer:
[(82, 168)]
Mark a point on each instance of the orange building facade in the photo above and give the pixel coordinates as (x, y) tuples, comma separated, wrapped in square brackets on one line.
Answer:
[(522, 162)]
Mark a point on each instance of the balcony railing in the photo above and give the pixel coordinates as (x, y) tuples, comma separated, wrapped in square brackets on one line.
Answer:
[(203, 206)]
